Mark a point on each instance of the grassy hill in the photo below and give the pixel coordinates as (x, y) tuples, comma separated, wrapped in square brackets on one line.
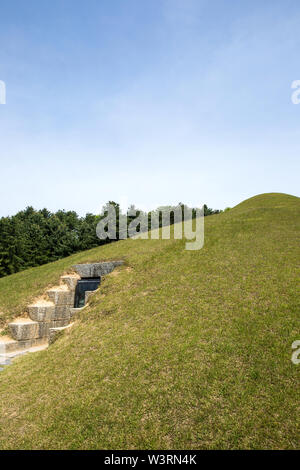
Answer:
[(178, 349)]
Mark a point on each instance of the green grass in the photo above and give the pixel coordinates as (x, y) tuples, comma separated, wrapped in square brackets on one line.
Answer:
[(178, 350)]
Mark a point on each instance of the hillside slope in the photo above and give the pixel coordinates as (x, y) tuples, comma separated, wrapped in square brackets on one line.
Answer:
[(178, 349)]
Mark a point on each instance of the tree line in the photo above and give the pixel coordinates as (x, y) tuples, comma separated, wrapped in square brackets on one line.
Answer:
[(35, 237)]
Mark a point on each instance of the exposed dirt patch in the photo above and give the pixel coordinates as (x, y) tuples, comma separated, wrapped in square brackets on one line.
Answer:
[(41, 302)]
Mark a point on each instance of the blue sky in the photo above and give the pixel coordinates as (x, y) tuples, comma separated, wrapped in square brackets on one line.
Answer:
[(147, 102)]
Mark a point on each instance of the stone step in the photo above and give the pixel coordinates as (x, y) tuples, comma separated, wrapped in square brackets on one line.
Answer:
[(24, 329), (46, 313), (61, 295), (42, 311), (10, 347)]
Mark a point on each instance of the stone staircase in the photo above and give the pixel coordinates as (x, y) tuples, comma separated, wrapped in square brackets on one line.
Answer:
[(46, 317), (50, 315)]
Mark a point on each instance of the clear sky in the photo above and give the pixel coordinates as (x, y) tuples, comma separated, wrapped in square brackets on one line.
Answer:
[(147, 102)]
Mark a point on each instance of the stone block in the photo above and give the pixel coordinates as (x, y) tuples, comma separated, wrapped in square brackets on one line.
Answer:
[(61, 296), (96, 269), (8, 346), (41, 313), (32, 343), (23, 330), (62, 312), (44, 329)]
